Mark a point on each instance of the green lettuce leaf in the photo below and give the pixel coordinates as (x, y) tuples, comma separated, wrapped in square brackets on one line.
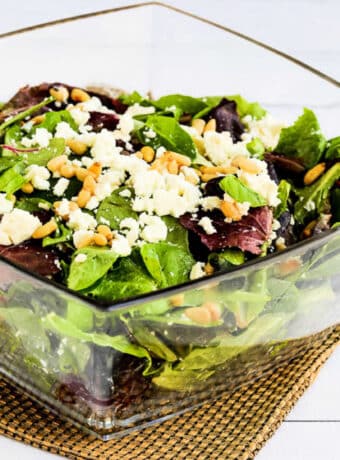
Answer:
[(256, 148), (333, 149), (186, 104), (12, 179), (313, 198), (240, 192), (62, 235), (227, 259), (169, 134), (98, 262), (51, 120), (284, 189), (55, 148), (115, 208), (303, 140)]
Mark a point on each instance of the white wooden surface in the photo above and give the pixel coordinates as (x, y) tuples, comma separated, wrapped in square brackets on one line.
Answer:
[(310, 30)]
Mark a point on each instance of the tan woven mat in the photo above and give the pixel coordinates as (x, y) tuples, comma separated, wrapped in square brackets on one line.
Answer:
[(234, 427)]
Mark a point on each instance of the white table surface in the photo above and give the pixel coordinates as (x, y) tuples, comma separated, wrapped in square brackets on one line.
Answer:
[(310, 30)]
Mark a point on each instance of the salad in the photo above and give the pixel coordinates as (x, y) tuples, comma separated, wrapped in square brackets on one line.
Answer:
[(114, 195), (120, 196)]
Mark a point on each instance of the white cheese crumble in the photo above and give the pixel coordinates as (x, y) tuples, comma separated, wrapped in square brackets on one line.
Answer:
[(6, 205), (137, 109), (80, 258), (130, 228), (154, 230), (104, 148), (38, 176), (81, 117), (220, 148), (79, 235), (310, 206), (65, 131), (209, 203), (267, 129), (41, 138), (125, 193), (262, 184), (79, 220), (197, 271), (207, 225), (18, 225), (61, 186), (120, 245)]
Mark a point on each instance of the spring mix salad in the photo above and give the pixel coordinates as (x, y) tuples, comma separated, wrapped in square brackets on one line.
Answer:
[(116, 195)]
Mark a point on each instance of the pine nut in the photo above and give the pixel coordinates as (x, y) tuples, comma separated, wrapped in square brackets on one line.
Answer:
[(209, 269), (55, 164), (208, 177), (86, 240), (218, 169), (60, 93), (83, 198), (182, 160), (67, 171), (45, 230), (89, 184), (313, 174), (172, 167), (230, 210), (105, 230), (307, 232), (73, 206), (246, 164), (177, 300), (214, 310), (81, 174), (95, 169), (99, 239), (210, 126), (199, 125), (199, 315), (77, 147), (79, 95), (139, 155), (38, 119), (148, 153), (27, 188)]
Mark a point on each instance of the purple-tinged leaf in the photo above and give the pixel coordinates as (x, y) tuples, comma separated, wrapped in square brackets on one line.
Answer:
[(227, 119), (99, 121), (248, 234)]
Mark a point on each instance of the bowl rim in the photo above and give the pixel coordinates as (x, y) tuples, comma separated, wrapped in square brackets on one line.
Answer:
[(223, 275)]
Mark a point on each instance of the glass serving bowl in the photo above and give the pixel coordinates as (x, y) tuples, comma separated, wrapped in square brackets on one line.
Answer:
[(90, 361)]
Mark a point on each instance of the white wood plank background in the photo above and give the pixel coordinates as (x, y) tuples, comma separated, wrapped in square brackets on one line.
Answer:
[(310, 30)]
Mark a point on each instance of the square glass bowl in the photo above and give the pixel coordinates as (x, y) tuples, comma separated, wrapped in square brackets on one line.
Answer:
[(112, 368)]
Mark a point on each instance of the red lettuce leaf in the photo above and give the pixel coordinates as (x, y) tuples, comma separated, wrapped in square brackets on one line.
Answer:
[(227, 119), (33, 257), (99, 121), (248, 234)]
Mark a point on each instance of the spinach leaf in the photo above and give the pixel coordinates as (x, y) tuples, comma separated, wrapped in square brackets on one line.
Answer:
[(333, 149), (283, 192), (8, 162), (227, 259), (73, 356), (13, 136), (115, 208), (335, 202), (169, 134), (303, 140), (97, 263), (240, 192), (127, 278), (51, 120), (244, 107), (313, 198), (12, 180), (55, 148), (177, 234), (26, 113), (186, 104), (133, 98), (168, 264), (120, 343), (32, 204)]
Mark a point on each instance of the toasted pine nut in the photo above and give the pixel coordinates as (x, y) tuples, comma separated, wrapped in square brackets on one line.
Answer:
[(182, 160), (81, 174), (79, 95), (67, 171), (38, 119), (200, 315), (218, 169), (99, 239), (210, 126), (45, 230), (313, 174), (73, 206), (246, 164), (208, 177), (105, 230), (77, 147), (172, 167), (55, 164), (199, 125), (230, 210), (83, 198), (148, 153), (89, 184), (60, 93), (214, 310), (209, 269), (177, 300), (307, 232), (86, 240), (27, 188), (95, 169)]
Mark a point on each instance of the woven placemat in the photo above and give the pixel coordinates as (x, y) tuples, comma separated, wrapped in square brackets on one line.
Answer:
[(234, 427)]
